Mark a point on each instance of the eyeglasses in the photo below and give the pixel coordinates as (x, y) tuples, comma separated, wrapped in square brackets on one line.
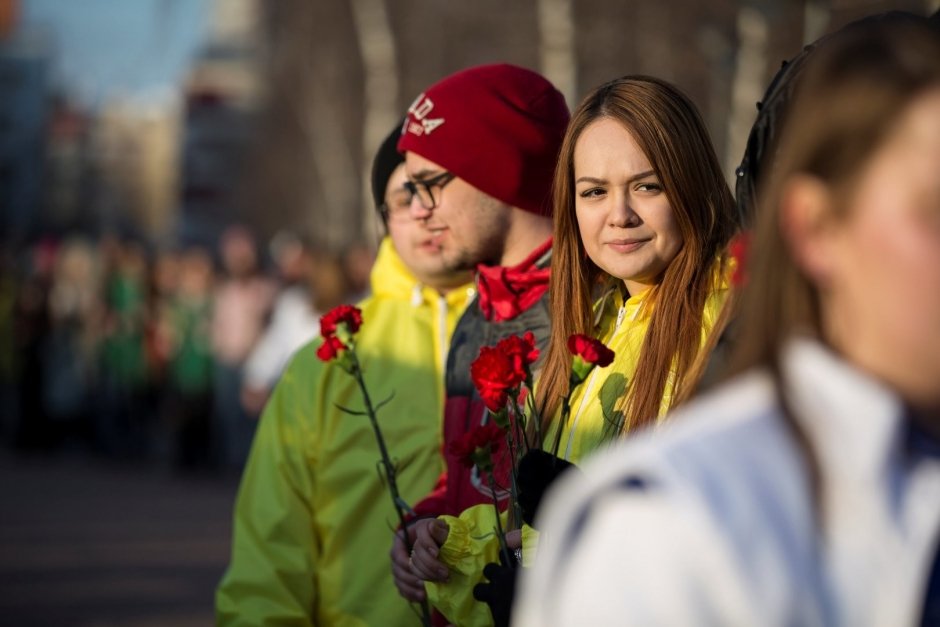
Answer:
[(424, 190)]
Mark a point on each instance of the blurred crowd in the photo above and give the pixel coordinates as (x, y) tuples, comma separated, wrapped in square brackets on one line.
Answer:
[(158, 354)]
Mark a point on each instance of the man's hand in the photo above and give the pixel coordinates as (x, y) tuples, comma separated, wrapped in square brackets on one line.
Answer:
[(411, 571), (430, 534), (409, 585)]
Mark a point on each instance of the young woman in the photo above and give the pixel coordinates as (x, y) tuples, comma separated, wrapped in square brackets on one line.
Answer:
[(642, 219), (805, 491), (643, 215)]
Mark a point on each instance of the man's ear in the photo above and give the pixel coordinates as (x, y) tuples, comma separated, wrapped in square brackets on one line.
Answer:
[(807, 223)]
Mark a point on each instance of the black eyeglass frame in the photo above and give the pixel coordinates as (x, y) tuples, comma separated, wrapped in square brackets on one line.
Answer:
[(439, 181)]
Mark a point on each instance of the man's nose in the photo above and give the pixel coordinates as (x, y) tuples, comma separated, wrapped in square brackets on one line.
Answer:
[(417, 210)]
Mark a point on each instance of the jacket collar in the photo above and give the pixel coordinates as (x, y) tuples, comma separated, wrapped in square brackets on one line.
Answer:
[(856, 424), (505, 292)]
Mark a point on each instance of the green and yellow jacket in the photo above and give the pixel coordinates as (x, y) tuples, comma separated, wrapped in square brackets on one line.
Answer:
[(594, 422), (313, 519)]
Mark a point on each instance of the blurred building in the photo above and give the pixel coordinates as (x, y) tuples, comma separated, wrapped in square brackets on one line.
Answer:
[(222, 97), (24, 87), (277, 121), (135, 167), (66, 169)]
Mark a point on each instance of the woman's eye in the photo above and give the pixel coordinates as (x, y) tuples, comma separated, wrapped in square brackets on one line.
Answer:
[(649, 187), (594, 192)]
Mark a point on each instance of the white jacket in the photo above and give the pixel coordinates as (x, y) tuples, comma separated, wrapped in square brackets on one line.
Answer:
[(710, 520)]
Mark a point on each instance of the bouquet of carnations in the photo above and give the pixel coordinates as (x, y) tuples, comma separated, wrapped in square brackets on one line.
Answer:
[(502, 375)]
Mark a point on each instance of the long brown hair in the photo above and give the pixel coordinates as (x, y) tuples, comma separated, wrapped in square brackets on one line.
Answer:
[(671, 133)]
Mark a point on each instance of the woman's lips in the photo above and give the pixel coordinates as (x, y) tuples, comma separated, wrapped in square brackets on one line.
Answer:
[(626, 245)]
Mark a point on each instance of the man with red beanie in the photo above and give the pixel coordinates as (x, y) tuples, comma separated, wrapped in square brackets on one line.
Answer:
[(480, 150)]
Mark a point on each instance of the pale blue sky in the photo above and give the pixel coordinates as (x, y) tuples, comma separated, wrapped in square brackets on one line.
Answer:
[(103, 48)]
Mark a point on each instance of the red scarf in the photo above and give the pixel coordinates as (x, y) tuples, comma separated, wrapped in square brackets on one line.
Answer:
[(507, 292)]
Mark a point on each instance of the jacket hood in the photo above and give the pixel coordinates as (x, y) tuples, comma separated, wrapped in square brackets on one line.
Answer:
[(390, 276)]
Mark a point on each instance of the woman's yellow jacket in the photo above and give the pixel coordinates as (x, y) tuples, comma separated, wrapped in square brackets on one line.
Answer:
[(313, 519), (594, 421)]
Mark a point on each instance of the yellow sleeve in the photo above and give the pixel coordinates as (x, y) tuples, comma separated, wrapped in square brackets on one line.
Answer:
[(530, 545), (270, 578), (471, 544)]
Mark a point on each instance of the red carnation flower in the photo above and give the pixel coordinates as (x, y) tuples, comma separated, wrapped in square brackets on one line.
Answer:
[(521, 353), (331, 347), (475, 447), (493, 375), (590, 350), (343, 314)]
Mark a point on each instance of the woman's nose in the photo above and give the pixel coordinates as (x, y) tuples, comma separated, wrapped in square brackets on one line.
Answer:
[(622, 214)]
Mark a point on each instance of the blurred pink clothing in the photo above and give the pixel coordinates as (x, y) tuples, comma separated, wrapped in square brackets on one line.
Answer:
[(239, 317)]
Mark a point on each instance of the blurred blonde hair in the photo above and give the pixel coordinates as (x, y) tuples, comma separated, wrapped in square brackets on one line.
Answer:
[(854, 90), (852, 94)]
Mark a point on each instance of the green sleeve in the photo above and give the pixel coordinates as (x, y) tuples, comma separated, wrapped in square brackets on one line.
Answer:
[(270, 579)]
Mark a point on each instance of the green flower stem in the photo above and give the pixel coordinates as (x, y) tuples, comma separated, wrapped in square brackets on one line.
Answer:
[(534, 415), (356, 371), (519, 427), (499, 525), (513, 482)]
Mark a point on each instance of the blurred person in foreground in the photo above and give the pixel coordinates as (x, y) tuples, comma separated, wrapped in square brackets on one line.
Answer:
[(313, 519), (758, 161), (806, 489), (480, 149)]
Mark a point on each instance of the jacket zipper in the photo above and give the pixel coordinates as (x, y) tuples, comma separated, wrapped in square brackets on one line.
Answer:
[(621, 314), (442, 331)]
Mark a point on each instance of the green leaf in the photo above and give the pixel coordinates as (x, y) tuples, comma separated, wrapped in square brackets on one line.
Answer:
[(351, 412), (385, 402)]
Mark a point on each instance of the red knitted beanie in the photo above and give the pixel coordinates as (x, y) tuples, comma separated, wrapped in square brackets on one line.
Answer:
[(498, 127)]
